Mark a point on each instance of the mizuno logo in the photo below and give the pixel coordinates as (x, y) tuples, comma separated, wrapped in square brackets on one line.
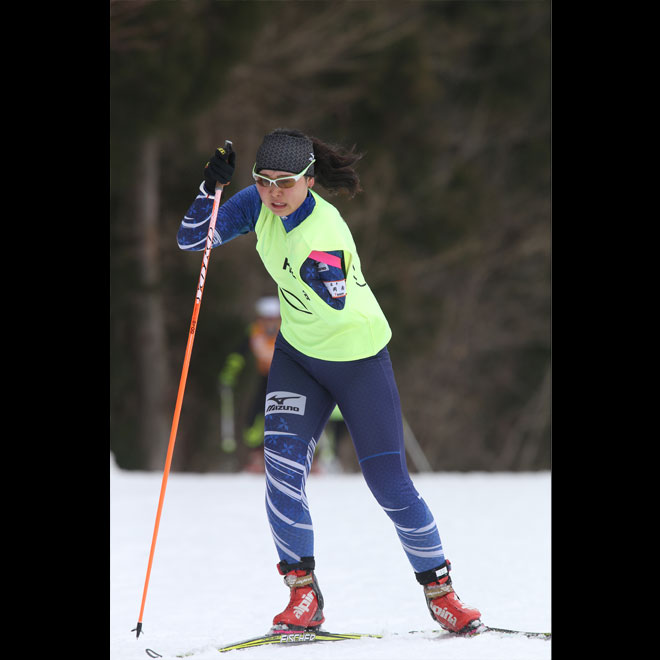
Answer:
[(279, 400), (285, 402)]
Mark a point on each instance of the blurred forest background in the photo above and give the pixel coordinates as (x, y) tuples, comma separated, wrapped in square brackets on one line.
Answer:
[(451, 103)]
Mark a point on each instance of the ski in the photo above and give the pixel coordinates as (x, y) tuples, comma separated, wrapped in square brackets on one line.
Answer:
[(481, 630), (296, 637), (506, 631)]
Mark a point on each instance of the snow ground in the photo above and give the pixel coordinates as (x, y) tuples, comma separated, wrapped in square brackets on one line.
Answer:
[(214, 579)]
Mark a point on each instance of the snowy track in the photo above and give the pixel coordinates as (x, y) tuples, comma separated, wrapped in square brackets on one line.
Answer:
[(214, 579)]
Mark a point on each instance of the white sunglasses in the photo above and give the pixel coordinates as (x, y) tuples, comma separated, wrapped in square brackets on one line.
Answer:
[(281, 182)]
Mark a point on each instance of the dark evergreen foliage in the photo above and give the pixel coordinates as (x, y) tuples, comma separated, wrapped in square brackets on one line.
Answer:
[(450, 104)]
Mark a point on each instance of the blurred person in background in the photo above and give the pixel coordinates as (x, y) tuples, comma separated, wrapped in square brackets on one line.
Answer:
[(256, 349), (331, 350)]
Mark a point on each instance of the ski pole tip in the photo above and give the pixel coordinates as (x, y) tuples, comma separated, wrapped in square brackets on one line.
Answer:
[(138, 629)]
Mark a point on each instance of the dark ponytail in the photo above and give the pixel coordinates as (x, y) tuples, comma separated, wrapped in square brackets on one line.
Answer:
[(333, 168)]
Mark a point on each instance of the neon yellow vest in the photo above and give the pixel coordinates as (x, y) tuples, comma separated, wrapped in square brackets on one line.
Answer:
[(309, 324)]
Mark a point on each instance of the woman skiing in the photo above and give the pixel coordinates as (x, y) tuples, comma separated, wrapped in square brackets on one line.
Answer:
[(331, 350)]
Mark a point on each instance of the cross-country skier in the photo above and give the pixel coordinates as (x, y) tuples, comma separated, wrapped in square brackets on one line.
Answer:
[(331, 350)]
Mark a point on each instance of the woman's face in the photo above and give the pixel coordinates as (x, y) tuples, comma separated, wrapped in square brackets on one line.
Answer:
[(284, 201)]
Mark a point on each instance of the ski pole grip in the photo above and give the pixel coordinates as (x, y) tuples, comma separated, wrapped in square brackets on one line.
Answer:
[(228, 145)]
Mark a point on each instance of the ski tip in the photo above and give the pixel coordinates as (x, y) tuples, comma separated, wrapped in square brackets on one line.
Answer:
[(523, 633)]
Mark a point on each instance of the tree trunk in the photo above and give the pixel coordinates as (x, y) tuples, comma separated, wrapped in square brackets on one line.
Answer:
[(150, 323)]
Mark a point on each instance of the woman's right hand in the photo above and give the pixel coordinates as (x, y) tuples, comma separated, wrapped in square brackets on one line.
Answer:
[(220, 168)]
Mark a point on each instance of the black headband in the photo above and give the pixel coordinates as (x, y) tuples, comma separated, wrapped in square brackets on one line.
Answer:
[(285, 153)]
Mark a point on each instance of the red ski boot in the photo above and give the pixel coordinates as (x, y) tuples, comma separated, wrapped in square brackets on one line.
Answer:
[(443, 603), (305, 609)]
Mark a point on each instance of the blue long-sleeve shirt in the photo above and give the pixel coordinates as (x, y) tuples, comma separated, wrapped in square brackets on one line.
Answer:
[(238, 215)]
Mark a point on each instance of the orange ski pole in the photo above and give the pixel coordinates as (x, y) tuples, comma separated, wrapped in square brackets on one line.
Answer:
[(182, 387)]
